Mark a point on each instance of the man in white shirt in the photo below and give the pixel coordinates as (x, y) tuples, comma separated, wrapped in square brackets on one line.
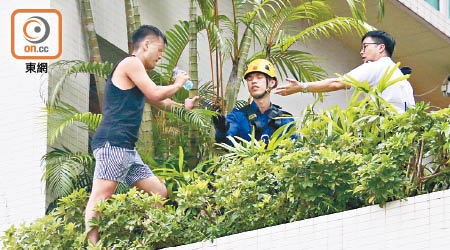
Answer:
[(376, 52)]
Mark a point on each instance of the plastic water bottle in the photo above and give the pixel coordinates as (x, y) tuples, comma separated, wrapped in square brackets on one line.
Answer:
[(188, 84)]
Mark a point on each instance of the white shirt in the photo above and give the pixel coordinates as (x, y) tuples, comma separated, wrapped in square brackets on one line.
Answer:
[(399, 95)]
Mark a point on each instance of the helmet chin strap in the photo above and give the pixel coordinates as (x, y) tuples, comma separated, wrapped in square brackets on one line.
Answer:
[(265, 92)]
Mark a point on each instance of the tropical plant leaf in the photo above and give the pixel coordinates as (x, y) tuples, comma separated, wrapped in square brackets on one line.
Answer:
[(177, 41), (297, 63), (386, 80), (74, 67), (274, 27), (63, 168), (282, 133), (337, 25), (195, 117), (380, 15), (64, 115), (358, 9)]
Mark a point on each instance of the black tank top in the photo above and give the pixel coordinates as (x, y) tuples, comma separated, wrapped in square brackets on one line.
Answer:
[(122, 114)]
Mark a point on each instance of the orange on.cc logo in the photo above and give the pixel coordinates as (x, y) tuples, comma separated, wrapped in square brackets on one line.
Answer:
[(36, 29), (36, 34)]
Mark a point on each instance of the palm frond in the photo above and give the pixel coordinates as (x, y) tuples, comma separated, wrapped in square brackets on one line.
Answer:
[(300, 64), (177, 41), (337, 25), (358, 9), (240, 103), (62, 170), (217, 36), (380, 15), (74, 67), (63, 115), (206, 7), (274, 27), (208, 20), (206, 93), (228, 29), (195, 117), (258, 8)]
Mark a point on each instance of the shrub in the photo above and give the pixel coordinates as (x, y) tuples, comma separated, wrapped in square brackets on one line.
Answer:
[(343, 159)]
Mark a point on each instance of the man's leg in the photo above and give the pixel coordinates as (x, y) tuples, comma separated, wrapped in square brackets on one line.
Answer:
[(101, 189), (152, 185), (141, 177)]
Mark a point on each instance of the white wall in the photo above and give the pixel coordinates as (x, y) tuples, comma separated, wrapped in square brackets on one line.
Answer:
[(420, 222), (76, 88), (22, 131), (438, 18), (444, 7), (110, 21)]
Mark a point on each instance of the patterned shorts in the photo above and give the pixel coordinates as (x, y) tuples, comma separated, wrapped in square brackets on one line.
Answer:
[(119, 164)]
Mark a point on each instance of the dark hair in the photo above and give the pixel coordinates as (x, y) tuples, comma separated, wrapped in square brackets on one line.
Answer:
[(406, 70), (382, 37), (144, 31)]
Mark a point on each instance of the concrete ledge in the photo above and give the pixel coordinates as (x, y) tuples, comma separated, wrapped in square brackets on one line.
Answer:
[(420, 222)]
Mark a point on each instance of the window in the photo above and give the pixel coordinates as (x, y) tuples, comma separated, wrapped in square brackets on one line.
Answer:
[(434, 3)]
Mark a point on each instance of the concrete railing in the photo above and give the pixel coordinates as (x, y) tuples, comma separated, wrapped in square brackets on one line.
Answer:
[(420, 222)]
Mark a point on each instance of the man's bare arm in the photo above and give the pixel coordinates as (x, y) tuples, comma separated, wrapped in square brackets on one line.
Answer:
[(135, 71), (326, 85), (167, 104)]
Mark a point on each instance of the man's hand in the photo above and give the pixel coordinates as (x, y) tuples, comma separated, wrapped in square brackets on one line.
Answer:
[(294, 86), (189, 103), (181, 78), (220, 123)]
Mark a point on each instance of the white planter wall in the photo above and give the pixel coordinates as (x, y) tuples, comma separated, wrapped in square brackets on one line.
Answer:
[(420, 222)]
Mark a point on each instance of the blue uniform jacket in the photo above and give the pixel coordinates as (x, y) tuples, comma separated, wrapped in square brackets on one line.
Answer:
[(240, 125)]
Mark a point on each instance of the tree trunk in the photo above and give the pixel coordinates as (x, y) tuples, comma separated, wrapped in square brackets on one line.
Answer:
[(137, 16), (146, 132), (129, 14), (237, 72), (193, 69), (94, 51), (193, 66), (145, 142)]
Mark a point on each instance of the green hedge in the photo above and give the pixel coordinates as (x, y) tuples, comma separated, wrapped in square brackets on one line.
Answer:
[(343, 159)]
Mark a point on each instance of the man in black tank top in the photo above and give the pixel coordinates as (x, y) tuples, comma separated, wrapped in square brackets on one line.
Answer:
[(127, 89)]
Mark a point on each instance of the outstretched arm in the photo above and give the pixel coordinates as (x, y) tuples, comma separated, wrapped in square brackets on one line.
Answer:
[(167, 104), (135, 71), (294, 86)]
